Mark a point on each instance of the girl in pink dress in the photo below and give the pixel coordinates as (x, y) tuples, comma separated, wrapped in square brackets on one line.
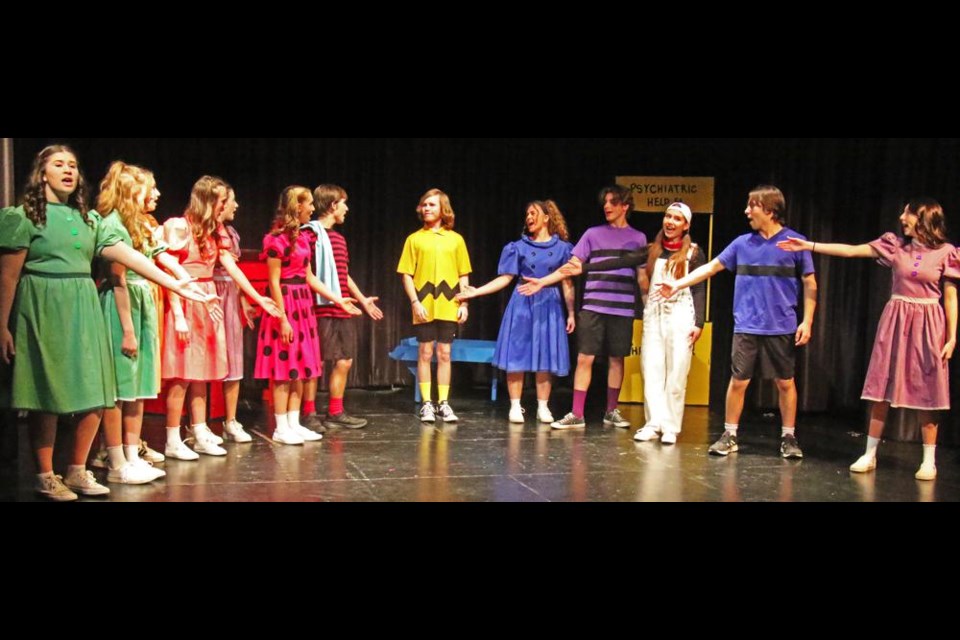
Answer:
[(288, 348), (195, 345), (237, 314), (916, 335)]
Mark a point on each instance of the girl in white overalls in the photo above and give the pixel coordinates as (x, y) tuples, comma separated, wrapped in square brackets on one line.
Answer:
[(671, 327)]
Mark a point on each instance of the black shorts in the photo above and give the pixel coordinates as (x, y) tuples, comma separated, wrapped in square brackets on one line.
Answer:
[(338, 338), (440, 331), (777, 355), (601, 334)]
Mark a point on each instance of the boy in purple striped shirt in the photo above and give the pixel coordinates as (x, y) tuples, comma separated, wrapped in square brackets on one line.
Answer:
[(605, 322)]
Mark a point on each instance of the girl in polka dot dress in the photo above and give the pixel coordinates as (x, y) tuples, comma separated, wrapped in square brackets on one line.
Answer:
[(288, 348), (917, 335)]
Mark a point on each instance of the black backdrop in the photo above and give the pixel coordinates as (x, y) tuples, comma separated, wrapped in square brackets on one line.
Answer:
[(848, 190)]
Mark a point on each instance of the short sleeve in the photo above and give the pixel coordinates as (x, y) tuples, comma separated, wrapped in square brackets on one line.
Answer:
[(111, 232), (584, 248), (952, 268), (274, 247), (886, 247), (567, 252), (176, 235), (15, 230), (222, 237), (464, 268), (408, 259), (509, 261), (728, 258), (153, 240)]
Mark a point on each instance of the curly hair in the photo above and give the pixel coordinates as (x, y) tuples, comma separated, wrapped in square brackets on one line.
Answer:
[(556, 223), (931, 229), (35, 192), (118, 192)]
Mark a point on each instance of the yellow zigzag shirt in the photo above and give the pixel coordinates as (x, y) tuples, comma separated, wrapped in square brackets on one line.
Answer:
[(436, 260)]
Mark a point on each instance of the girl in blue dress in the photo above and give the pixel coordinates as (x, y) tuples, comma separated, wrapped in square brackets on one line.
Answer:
[(533, 335)]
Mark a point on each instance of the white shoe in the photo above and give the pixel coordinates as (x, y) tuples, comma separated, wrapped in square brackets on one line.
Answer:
[(307, 434), (864, 464), (100, 461), (668, 437), (152, 470), (207, 444), (233, 430), (286, 435), (180, 451), (516, 415), (203, 431), (647, 434), (926, 472), (84, 482), (131, 473), (545, 417), (53, 488)]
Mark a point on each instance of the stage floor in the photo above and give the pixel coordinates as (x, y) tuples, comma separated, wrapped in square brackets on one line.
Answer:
[(484, 459)]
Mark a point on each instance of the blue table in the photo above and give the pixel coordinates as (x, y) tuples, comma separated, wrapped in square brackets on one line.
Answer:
[(479, 351)]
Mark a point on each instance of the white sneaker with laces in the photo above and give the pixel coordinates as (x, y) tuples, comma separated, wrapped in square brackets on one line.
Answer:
[(233, 430), (544, 416), (307, 434), (84, 482), (516, 415), (131, 473)]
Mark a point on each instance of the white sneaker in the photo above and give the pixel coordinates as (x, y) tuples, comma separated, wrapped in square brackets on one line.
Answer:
[(926, 472), (233, 430), (84, 482), (286, 435), (516, 415), (647, 434), (445, 413), (544, 416), (180, 451), (149, 468), (428, 413), (203, 431), (307, 435), (207, 444), (131, 473), (53, 488), (668, 437)]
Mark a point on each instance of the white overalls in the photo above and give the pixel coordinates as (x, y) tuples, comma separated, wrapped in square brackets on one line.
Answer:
[(666, 352)]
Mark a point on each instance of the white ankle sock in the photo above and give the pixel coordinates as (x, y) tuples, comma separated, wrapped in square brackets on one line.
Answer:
[(115, 457)]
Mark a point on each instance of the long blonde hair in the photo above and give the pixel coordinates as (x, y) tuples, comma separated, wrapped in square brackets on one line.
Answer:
[(118, 192), (201, 213)]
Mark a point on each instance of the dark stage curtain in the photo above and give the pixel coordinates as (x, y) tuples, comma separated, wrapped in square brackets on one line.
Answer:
[(842, 190)]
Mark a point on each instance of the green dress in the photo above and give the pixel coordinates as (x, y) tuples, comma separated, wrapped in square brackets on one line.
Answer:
[(137, 378), (63, 363)]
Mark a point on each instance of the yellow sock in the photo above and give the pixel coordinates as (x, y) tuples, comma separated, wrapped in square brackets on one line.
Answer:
[(425, 391), (443, 392)]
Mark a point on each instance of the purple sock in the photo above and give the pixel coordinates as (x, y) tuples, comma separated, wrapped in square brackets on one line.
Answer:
[(579, 399), (613, 399)]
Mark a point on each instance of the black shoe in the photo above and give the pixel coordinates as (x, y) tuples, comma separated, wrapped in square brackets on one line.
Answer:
[(345, 421), (313, 422), (789, 448)]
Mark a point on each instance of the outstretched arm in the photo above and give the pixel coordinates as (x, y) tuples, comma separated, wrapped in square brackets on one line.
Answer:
[(838, 250)]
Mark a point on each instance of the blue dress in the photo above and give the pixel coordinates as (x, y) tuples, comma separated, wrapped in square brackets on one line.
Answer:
[(533, 335)]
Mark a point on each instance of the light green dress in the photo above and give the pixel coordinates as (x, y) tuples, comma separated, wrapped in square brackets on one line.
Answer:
[(137, 378)]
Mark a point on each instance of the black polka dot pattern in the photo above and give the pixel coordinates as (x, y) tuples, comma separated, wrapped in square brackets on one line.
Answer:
[(267, 351), (308, 372), (284, 356), (293, 374), (273, 253)]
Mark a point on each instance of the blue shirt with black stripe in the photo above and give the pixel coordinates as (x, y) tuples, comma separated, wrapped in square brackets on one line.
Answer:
[(769, 284)]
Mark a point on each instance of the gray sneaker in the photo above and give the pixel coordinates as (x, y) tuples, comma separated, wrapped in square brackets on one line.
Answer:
[(614, 419), (445, 413), (726, 445), (345, 421), (789, 448), (569, 421), (314, 422)]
